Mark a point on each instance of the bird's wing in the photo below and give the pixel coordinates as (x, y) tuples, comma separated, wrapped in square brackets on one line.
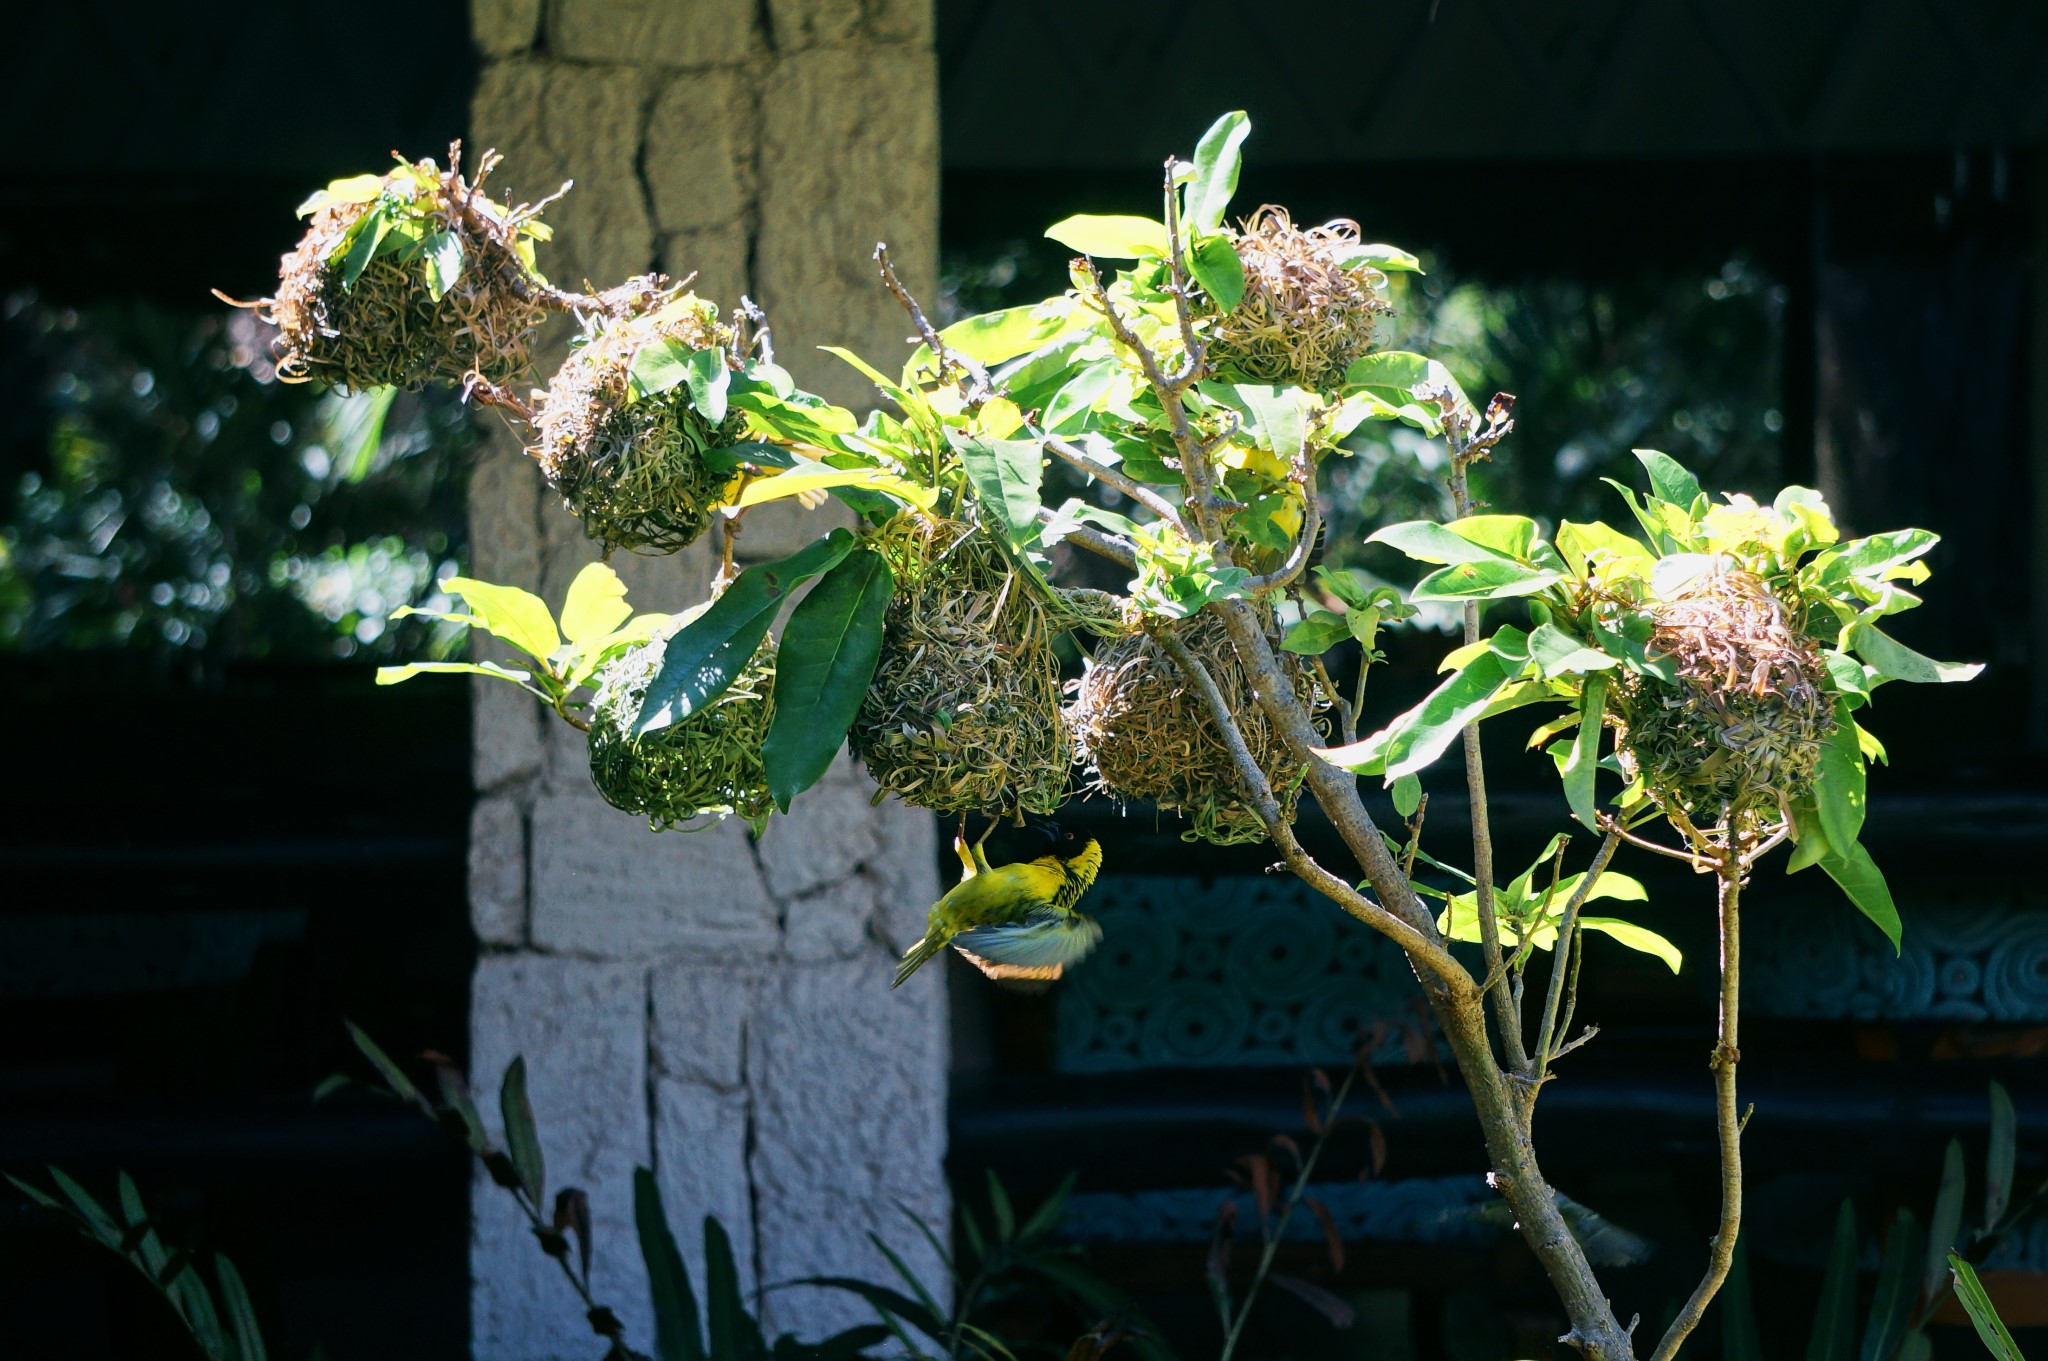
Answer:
[(1043, 940)]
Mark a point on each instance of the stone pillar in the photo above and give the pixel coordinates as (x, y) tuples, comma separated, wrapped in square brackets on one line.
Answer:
[(708, 1006)]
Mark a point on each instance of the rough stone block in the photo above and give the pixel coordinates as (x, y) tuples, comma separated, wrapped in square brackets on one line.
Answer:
[(822, 211), (555, 122), (717, 256), (684, 33), (497, 872), (830, 832), (906, 869), (901, 21), (581, 1027), (504, 28), (605, 886), (701, 1167), (815, 23), (831, 923), (700, 1023), (700, 151), (849, 1083)]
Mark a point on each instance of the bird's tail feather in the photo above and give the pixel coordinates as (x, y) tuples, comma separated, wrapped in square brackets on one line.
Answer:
[(917, 954)]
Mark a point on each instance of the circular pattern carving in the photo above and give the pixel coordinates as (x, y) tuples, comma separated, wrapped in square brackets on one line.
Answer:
[(2016, 972), (1282, 957), (1194, 1024)]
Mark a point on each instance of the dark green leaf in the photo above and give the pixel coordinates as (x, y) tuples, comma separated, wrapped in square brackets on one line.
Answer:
[(1945, 1223), (1669, 478), (1557, 653), (1891, 1308), (94, 1214), (1740, 1340), (1860, 878), (677, 1335), (1998, 1161), (1991, 1330), (1218, 157), (1048, 1212), (1317, 634), (704, 656), (234, 1299), (1839, 786), (1578, 771), (825, 664), (34, 1193), (886, 1301), (999, 1204), (1215, 265), (1334, 1309), (369, 234), (732, 1332), (188, 1292), (1834, 1326), (522, 1139)]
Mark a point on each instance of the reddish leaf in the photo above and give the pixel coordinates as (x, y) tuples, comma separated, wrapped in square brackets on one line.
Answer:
[(1287, 1145), (572, 1215), (1378, 1137), (1311, 1114), (1340, 1314), (1262, 1183), (1331, 1241), (1218, 1266), (1372, 1080)]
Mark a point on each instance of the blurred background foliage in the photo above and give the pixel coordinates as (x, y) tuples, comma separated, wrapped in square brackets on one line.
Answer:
[(162, 493)]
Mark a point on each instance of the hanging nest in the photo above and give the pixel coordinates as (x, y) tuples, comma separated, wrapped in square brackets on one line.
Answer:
[(632, 469), (963, 714), (449, 286), (1305, 315), (706, 766), (1743, 726), (1146, 733)]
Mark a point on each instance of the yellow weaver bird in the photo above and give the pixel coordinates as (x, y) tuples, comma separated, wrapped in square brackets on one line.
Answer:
[(1012, 921)]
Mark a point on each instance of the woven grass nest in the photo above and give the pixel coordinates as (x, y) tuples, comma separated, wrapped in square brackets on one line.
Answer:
[(707, 765), (388, 328), (1146, 734), (964, 714), (633, 470), (1742, 728), (1304, 316)]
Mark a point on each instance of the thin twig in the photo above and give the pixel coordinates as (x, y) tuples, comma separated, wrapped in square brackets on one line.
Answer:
[(1613, 826), (1109, 476), (1563, 952), (1096, 541), (1727, 1052)]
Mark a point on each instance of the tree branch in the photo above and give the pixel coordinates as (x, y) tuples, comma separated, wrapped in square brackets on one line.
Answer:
[(1108, 476), (1727, 1053), (1096, 541), (1561, 955)]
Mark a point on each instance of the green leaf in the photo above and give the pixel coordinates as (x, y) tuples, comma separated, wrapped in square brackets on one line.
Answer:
[(825, 664), (355, 430), (1317, 634), (1891, 1308), (188, 1292), (1006, 475), (1218, 158), (1839, 786), (1280, 425), (241, 1312), (1110, 237), (708, 377), (1834, 1335), (1740, 1340), (354, 189), (658, 366), (443, 254), (1876, 557), (996, 337), (1998, 1160), (820, 477), (1557, 653), (1578, 771), (731, 1331), (1407, 793), (927, 1319), (393, 1075), (1438, 720), (522, 1138), (94, 1215), (704, 656), (1586, 542), (1491, 579), (1895, 661), (520, 618), (1428, 541), (1991, 1330), (1071, 406), (1215, 265), (595, 606), (1945, 1222), (369, 234), (1669, 478), (677, 1335), (1384, 258), (1638, 938), (392, 675), (1860, 878)]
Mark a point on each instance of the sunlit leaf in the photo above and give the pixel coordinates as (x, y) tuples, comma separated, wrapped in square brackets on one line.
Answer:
[(1670, 479), (1895, 661), (595, 606), (1976, 1301), (1218, 158), (1215, 265), (442, 254), (520, 618), (1110, 237)]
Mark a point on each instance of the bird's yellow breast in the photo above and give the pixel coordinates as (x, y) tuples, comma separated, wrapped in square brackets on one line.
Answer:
[(1002, 894)]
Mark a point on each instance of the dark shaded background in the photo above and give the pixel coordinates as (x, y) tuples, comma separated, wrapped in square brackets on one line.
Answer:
[(208, 859)]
